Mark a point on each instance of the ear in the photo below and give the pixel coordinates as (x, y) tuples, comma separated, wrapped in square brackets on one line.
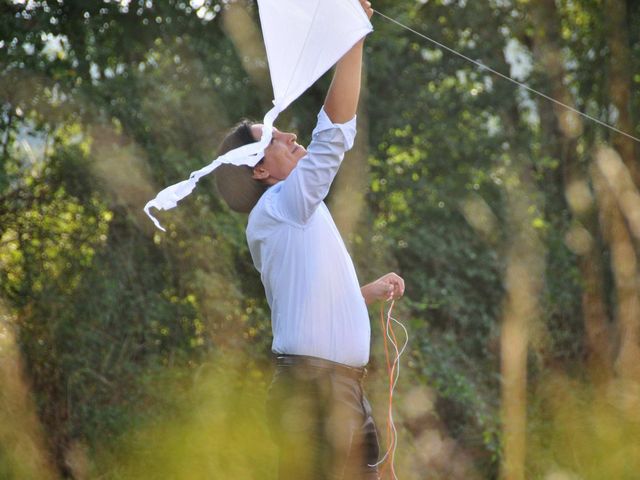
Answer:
[(260, 173)]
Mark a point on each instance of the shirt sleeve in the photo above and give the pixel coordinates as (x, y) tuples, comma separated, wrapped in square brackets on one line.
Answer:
[(308, 183)]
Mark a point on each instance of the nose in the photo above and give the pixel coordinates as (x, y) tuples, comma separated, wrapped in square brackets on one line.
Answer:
[(291, 137)]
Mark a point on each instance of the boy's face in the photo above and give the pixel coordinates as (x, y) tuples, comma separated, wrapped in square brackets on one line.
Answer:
[(280, 157)]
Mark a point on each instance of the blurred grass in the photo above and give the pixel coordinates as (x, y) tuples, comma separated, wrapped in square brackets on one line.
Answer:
[(583, 432), (212, 426)]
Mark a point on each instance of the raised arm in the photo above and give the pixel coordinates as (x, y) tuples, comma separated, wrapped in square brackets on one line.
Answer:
[(308, 183), (341, 103)]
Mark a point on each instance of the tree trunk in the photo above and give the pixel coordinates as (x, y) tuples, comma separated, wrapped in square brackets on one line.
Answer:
[(525, 263), (621, 85), (546, 48), (19, 423), (523, 281), (624, 255), (624, 266), (244, 32)]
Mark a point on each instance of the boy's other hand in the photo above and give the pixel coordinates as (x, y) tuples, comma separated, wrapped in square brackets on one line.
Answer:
[(387, 287)]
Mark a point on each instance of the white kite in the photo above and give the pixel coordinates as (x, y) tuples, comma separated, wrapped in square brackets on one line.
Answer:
[(303, 39)]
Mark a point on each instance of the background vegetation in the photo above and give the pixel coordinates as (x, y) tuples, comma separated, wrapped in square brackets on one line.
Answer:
[(129, 353)]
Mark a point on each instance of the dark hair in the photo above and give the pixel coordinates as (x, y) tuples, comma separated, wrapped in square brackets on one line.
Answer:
[(235, 183), (237, 137)]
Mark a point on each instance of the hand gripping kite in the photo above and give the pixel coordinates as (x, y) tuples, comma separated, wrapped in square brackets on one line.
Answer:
[(303, 39)]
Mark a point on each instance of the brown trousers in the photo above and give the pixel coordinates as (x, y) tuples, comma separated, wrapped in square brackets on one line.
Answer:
[(321, 421)]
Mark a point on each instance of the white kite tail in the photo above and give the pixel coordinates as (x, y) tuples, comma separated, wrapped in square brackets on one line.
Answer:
[(249, 154), (394, 374)]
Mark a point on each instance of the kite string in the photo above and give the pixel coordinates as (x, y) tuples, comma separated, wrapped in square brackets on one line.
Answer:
[(393, 371), (393, 379), (386, 355), (508, 78)]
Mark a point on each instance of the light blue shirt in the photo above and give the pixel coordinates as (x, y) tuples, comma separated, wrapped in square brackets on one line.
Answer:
[(310, 282)]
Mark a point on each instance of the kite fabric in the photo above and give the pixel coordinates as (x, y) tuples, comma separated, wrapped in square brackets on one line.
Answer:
[(303, 39)]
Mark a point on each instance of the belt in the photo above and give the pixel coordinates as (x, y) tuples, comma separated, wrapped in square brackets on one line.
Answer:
[(356, 373)]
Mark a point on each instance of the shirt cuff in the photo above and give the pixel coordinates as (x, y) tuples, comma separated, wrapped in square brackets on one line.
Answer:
[(347, 129)]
